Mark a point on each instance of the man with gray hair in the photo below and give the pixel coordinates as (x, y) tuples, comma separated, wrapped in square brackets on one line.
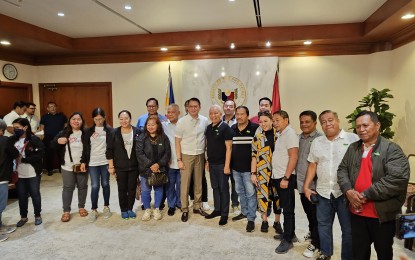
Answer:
[(219, 147), (7, 153)]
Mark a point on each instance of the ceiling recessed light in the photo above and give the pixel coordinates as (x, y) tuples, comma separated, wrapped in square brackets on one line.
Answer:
[(4, 42), (61, 14), (195, 75), (127, 7), (257, 73), (307, 42), (231, 0), (164, 49), (232, 46), (223, 74), (268, 44), (408, 16), (197, 47)]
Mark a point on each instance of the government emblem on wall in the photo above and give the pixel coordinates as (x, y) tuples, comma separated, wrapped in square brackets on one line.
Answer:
[(228, 87)]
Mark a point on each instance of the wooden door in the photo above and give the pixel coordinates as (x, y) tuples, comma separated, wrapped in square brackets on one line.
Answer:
[(11, 92), (78, 97)]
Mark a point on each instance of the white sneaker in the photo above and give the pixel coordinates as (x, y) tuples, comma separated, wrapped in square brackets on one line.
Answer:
[(157, 214), (93, 215), (310, 251), (236, 210), (106, 212), (146, 215), (3, 237), (205, 206), (308, 236), (7, 229)]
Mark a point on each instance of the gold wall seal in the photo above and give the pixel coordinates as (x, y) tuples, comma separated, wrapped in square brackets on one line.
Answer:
[(228, 87)]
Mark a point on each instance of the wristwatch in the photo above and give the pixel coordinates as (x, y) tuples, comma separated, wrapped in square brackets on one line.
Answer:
[(253, 173), (179, 159), (285, 178)]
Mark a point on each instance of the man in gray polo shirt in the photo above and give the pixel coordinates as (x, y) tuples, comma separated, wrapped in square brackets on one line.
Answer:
[(308, 123)]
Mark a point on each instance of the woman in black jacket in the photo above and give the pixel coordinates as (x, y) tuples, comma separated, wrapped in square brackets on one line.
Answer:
[(93, 155), (69, 144), (153, 155), (29, 169), (123, 163)]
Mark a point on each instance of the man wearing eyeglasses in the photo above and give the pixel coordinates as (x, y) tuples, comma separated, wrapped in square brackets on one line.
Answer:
[(30, 115), (152, 107)]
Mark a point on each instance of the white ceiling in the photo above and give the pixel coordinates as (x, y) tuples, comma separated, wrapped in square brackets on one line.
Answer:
[(87, 18)]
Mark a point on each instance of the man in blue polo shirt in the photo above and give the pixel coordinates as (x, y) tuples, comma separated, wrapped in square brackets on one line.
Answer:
[(219, 148), (243, 133), (152, 105)]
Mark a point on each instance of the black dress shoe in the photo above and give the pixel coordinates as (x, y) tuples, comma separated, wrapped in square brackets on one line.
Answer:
[(171, 211), (185, 216), (200, 212), (239, 217), (214, 214), (264, 226), (223, 221), (250, 227), (21, 222), (162, 206)]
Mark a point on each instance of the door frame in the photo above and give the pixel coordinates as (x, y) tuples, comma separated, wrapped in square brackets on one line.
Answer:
[(27, 86)]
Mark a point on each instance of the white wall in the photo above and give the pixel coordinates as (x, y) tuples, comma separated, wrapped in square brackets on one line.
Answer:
[(316, 83)]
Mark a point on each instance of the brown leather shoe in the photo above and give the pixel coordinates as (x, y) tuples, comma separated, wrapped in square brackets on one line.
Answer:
[(200, 212), (185, 216)]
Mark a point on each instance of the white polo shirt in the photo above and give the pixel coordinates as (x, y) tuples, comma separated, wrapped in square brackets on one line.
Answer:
[(328, 156), (170, 130), (287, 139), (8, 119), (33, 120), (192, 133)]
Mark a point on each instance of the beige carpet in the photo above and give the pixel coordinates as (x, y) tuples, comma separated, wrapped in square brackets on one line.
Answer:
[(168, 238)]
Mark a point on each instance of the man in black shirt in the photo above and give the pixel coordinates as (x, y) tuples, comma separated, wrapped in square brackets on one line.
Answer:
[(243, 133), (51, 123), (219, 148)]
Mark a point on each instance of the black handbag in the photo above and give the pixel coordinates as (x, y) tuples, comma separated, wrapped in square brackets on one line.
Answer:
[(157, 179)]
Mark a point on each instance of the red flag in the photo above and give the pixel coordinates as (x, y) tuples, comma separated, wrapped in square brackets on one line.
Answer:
[(276, 103)]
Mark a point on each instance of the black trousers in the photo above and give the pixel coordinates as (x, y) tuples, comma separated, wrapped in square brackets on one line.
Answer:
[(311, 213), (366, 231), (25, 187), (51, 159), (287, 203), (127, 184)]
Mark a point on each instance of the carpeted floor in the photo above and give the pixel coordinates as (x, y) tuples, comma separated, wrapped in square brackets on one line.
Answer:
[(168, 238)]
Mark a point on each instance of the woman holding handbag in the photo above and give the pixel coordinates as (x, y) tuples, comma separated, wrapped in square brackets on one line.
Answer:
[(122, 162), (29, 169), (93, 156), (69, 143), (153, 155)]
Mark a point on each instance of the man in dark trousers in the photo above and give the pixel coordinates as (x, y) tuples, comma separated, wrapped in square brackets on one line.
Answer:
[(51, 123), (374, 175), (219, 148)]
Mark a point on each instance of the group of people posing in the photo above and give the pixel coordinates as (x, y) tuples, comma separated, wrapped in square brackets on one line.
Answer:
[(363, 178)]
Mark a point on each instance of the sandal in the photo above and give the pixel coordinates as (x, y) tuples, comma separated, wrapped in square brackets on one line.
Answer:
[(66, 217), (83, 212)]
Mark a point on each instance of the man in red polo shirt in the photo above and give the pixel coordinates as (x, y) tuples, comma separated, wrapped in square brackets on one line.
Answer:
[(374, 175)]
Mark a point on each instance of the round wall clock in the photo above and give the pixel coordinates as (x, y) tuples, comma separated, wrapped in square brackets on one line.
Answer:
[(9, 71)]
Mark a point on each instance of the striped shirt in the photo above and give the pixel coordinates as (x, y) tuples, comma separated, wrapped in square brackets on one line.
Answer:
[(241, 147)]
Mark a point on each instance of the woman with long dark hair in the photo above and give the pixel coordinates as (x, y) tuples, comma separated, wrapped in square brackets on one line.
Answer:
[(122, 162), (69, 143), (94, 159), (153, 155), (29, 169)]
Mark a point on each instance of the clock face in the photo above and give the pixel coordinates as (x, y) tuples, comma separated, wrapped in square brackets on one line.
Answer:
[(9, 71)]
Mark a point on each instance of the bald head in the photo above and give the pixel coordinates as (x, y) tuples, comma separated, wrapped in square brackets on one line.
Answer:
[(215, 114)]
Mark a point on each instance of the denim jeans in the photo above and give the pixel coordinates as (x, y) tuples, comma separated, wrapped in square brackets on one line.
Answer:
[(146, 194), (173, 189), (326, 210), (287, 203), (99, 174), (25, 187), (4, 194), (220, 185), (247, 194), (234, 193)]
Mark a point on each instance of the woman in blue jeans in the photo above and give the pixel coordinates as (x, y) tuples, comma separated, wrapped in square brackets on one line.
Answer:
[(29, 168), (153, 155), (93, 157)]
